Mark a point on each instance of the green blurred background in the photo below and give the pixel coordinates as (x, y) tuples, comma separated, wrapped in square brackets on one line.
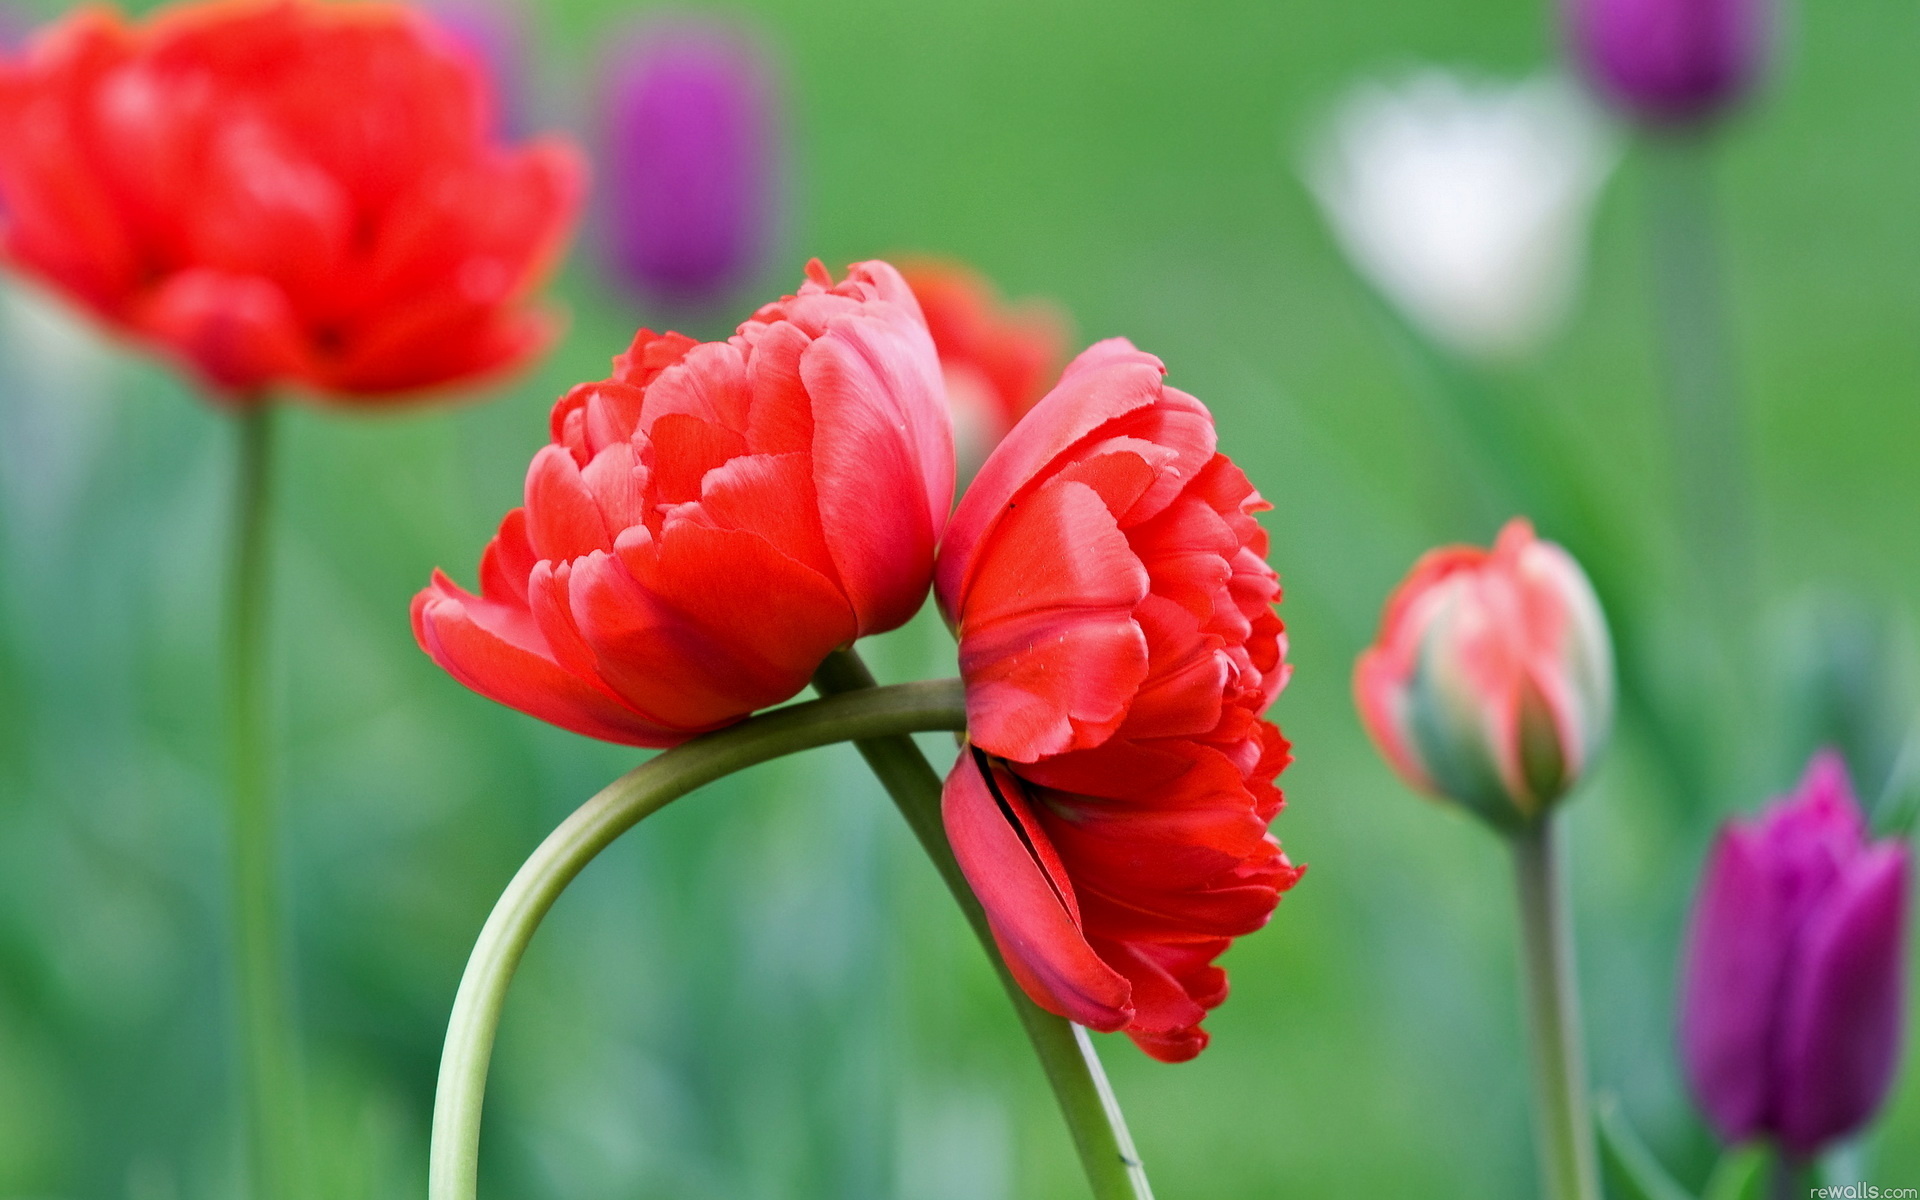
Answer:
[(764, 992)]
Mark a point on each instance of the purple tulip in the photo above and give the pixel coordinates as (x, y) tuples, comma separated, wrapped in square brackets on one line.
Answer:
[(1792, 1005), (1670, 62), (687, 160)]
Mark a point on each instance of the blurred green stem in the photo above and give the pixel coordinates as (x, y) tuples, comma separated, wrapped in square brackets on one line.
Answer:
[(1066, 1052), (879, 713), (1709, 437), (269, 1058), (1569, 1165), (1786, 1178)]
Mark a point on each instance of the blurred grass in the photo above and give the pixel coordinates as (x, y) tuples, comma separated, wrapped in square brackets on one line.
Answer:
[(763, 993)]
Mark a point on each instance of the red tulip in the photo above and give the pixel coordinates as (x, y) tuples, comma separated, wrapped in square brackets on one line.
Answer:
[(713, 520), (282, 192), (998, 358), (1107, 581)]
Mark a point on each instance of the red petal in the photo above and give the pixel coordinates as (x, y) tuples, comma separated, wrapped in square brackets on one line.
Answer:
[(1027, 897), (1048, 645), (489, 651), (882, 459), (1108, 379)]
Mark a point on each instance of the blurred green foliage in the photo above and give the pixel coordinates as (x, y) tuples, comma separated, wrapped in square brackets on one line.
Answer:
[(763, 992)]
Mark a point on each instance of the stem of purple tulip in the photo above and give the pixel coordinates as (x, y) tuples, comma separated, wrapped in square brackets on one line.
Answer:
[(1067, 1055), (1569, 1161), (1709, 436), (1786, 1178), (269, 1059)]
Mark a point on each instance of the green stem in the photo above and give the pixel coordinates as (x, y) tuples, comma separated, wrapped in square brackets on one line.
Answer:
[(1709, 436), (884, 712), (269, 1060), (1786, 1178), (1066, 1052), (1568, 1163)]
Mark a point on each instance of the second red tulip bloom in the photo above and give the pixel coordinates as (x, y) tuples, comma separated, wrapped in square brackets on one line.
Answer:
[(1109, 587)]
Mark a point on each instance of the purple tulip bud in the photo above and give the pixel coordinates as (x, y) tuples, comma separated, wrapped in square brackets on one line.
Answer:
[(1792, 1002), (1670, 62), (495, 35), (687, 160)]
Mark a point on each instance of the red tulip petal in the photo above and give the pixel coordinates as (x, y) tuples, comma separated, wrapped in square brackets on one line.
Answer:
[(238, 331), (770, 495), (708, 385), (501, 659), (1028, 901), (1049, 648), (782, 418), (880, 430), (563, 522), (1107, 380)]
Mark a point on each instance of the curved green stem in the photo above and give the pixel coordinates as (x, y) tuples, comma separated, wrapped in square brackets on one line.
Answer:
[(880, 713), (269, 1057), (1569, 1164), (1066, 1052)]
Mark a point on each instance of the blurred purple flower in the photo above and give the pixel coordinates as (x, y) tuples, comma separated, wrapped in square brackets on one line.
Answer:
[(1670, 62), (687, 160), (496, 34), (1792, 1002)]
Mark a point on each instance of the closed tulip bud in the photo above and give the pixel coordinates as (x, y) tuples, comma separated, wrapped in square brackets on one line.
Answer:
[(1670, 62), (1792, 1004), (687, 161), (1491, 680)]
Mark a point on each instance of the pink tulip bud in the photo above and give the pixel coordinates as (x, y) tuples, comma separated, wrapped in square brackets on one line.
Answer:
[(1491, 680)]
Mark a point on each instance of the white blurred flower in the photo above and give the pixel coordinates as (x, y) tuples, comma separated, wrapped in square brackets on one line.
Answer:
[(1466, 201)]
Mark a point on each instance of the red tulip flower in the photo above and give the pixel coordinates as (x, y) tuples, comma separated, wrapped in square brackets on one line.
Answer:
[(1108, 584), (998, 358), (282, 192), (714, 520)]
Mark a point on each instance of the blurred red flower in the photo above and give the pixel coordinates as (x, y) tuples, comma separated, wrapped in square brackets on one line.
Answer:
[(998, 358), (713, 520), (1108, 584), (282, 192)]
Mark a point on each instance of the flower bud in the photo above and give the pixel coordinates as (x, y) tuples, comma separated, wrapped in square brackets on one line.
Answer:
[(1491, 680), (1792, 1004), (1670, 62), (687, 161)]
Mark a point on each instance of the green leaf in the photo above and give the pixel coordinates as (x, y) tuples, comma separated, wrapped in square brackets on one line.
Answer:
[(1741, 1174), (1631, 1168)]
